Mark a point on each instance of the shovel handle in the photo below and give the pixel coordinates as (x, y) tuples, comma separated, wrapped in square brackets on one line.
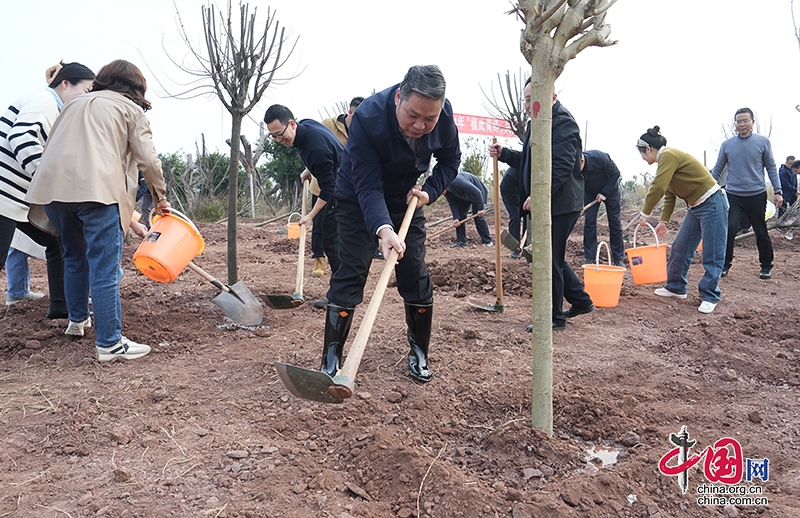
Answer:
[(359, 343), (442, 231), (498, 260), (207, 276), (589, 205), (298, 284)]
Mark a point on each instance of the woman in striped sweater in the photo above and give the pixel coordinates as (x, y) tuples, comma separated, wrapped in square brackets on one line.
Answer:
[(24, 128)]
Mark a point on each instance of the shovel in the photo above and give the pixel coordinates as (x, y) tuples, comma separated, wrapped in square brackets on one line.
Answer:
[(318, 386), (285, 301), (497, 307), (512, 244), (237, 301)]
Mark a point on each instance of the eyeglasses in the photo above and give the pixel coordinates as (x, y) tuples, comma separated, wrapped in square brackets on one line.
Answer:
[(279, 135), (742, 121)]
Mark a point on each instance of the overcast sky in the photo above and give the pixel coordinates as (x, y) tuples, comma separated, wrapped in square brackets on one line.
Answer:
[(685, 65)]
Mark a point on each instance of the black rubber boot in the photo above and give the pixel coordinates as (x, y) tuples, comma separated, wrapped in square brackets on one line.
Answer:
[(419, 318), (337, 327)]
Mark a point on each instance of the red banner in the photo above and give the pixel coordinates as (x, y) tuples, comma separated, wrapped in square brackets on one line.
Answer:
[(477, 125)]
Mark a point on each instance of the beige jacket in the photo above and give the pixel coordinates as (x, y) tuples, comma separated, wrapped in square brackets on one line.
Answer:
[(96, 147)]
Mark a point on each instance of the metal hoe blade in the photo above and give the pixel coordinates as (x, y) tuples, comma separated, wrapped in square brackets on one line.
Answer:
[(240, 305), (283, 301), (475, 303), (306, 383)]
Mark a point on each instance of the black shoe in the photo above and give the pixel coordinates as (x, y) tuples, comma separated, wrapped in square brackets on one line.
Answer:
[(516, 255), (574, 312), (321, 303), (766, 273), (459, 244), (378, 254), (725, 271)]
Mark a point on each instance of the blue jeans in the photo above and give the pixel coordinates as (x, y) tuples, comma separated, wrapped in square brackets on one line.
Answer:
[(92, 239), (709, 222), (18, 274)]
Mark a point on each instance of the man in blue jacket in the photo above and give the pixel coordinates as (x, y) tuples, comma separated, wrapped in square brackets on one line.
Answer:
[(788, 180), (601, 177), (393, 136), (321, 153), (465, 191)]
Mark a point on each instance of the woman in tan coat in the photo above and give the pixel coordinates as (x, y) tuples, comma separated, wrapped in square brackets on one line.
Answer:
[(87, 182)]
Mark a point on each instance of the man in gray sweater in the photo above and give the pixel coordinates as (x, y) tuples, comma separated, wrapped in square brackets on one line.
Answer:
[(747, 155)]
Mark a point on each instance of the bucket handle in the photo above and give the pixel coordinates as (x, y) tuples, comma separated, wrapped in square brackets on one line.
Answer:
[(597, 256), (177, 214), (651, 229), (293, 214)]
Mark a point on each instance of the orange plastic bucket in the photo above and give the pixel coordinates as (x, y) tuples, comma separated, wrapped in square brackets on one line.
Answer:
[(171, 244), (603, 282), (293, 227), (648, 263)]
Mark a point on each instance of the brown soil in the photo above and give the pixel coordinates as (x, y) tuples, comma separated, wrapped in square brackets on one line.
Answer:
[(203, 426)]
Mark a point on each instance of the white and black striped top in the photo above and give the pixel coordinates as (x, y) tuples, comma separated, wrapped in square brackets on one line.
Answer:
[(24, 128)]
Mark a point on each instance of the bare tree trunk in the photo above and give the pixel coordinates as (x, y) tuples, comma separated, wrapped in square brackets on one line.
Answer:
[(555, 32), (542, 86), (233, 195)]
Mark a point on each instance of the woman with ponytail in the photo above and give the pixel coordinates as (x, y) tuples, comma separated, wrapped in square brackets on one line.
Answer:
[(24, 128), (680, 175), (87, 182)]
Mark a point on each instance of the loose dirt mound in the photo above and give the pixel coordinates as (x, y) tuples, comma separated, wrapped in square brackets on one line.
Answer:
[(203, 426)]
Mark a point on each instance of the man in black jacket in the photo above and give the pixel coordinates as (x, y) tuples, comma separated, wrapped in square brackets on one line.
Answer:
[(464, 192), (602, 184), (509, 192), (566, 203), (321, 153)]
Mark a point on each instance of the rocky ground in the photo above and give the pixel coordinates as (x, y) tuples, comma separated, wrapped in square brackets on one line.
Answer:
[(203, 426)]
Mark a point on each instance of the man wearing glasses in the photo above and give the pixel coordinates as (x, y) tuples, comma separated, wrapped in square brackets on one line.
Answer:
[(321, 153), (747, 155), (393, 136)]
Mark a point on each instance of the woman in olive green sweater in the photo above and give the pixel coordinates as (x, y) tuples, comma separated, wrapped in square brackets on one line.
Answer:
[(680, 175)]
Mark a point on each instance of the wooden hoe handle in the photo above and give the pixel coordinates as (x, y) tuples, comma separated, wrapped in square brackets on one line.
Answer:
[(360, 342)]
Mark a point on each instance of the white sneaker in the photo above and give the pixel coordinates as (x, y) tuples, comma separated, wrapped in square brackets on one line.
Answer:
[(31, 295), (664, 292), (124, 349), (707, 307), (76, 328)]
